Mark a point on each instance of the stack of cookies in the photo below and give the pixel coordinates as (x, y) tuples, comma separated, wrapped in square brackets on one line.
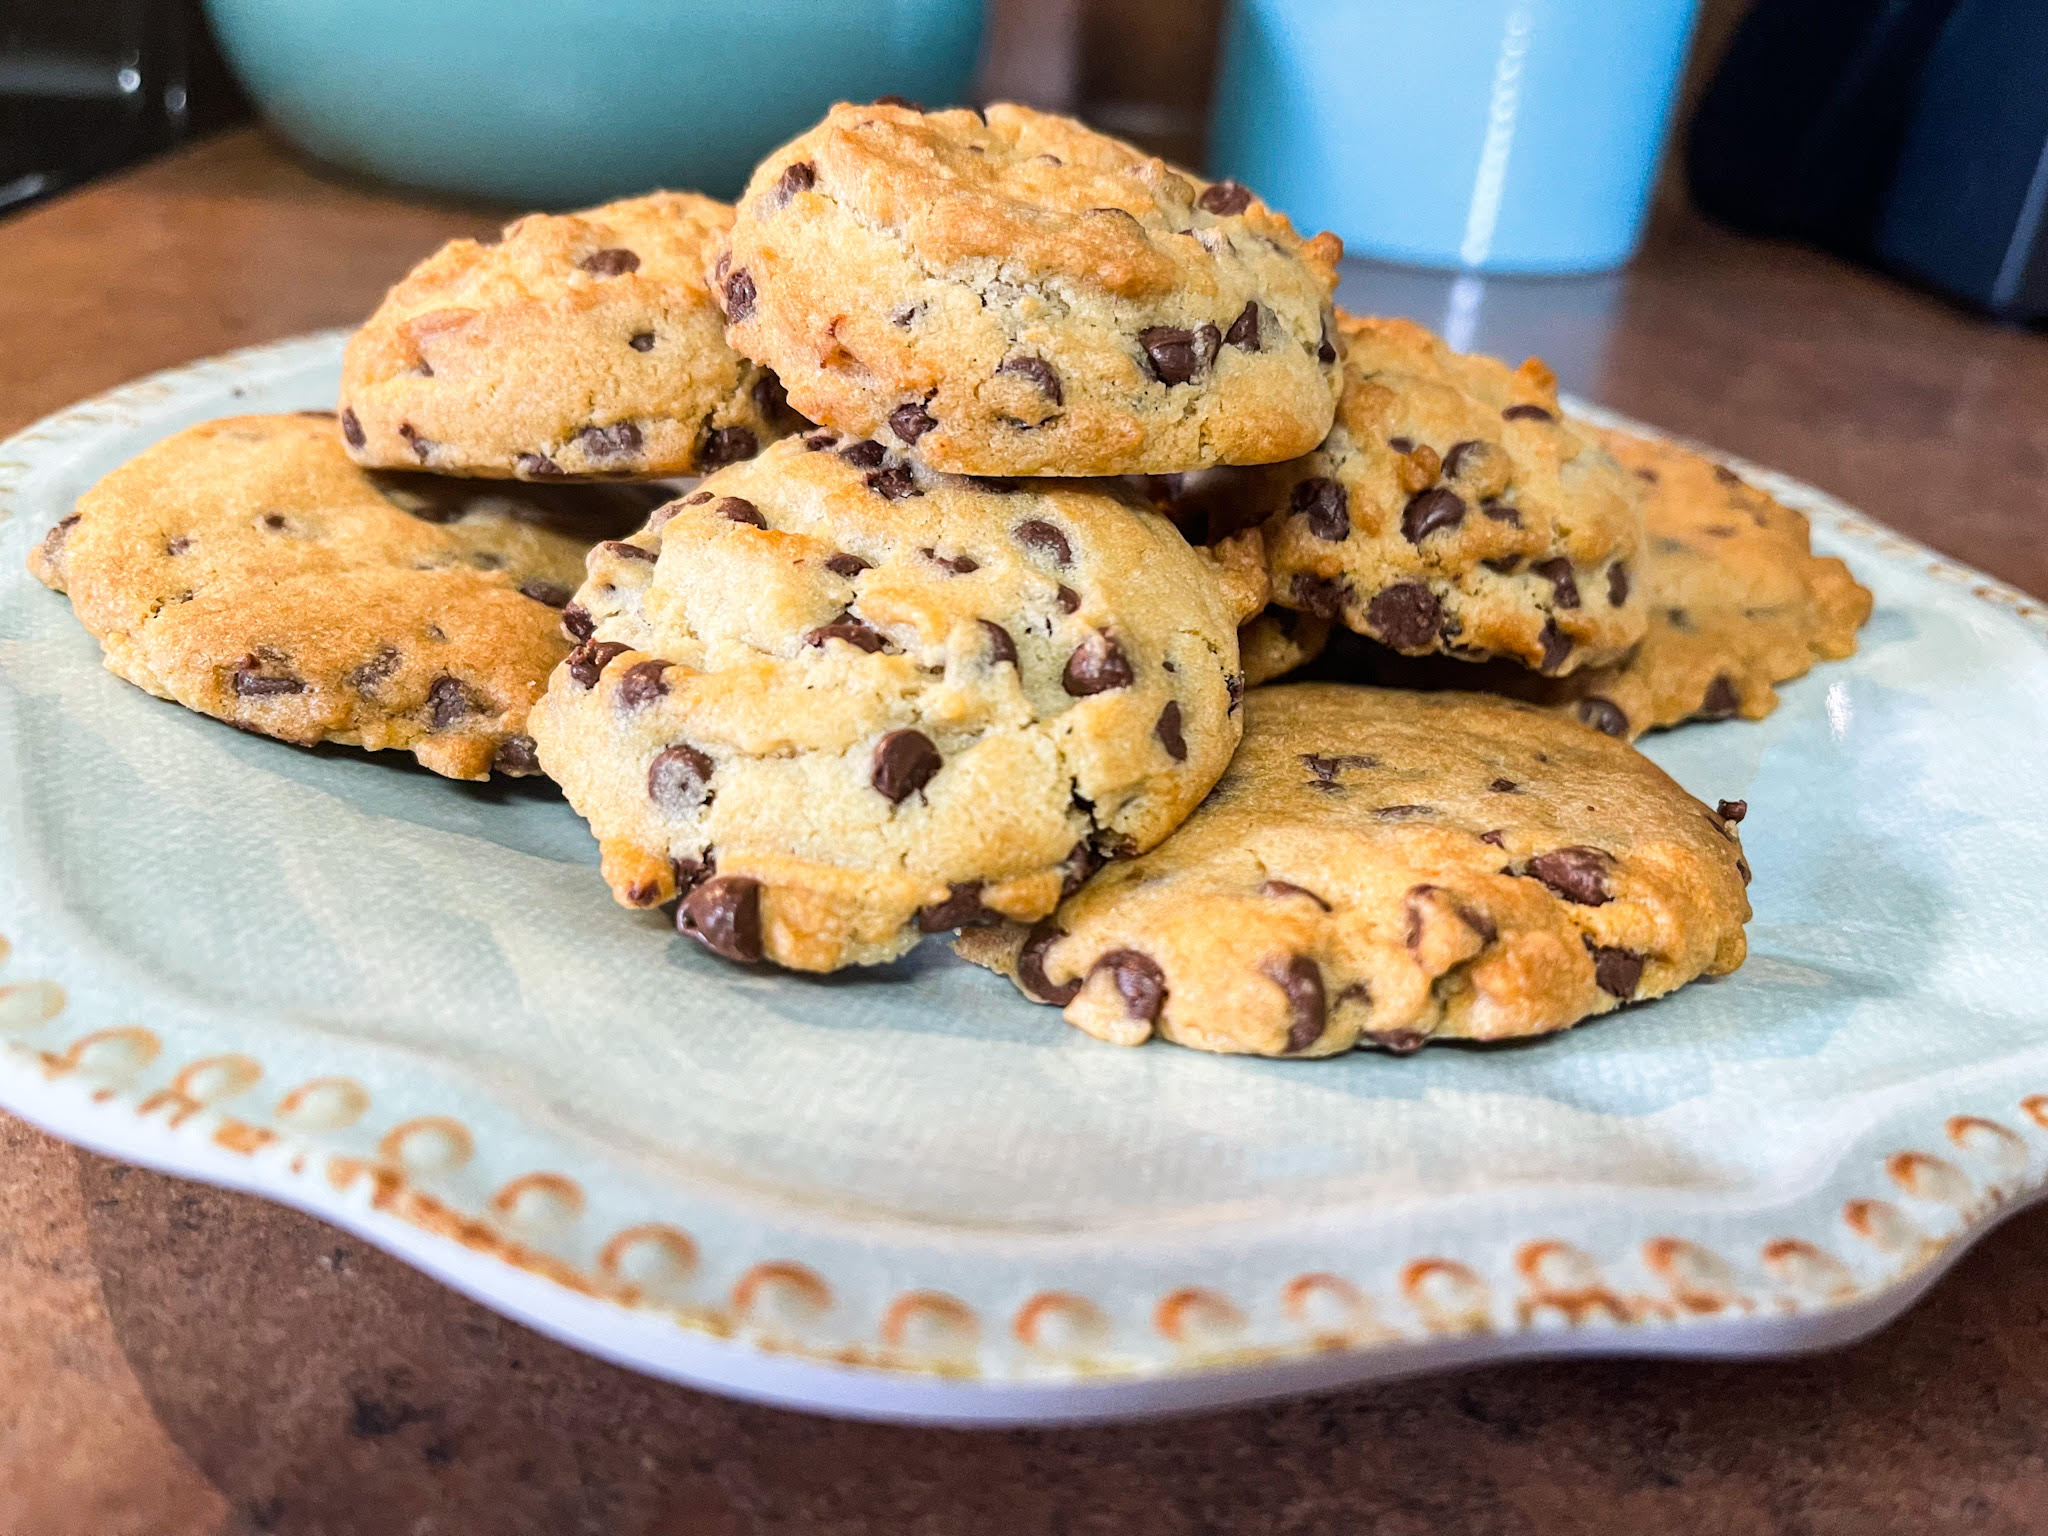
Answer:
[(1028, 463)]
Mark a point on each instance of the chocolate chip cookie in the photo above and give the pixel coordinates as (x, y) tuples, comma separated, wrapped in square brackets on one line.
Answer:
[(579, 344), (1015, 294), (1737, 600), (246, 569), (1385, 868), (834, 700), (1452, 509)]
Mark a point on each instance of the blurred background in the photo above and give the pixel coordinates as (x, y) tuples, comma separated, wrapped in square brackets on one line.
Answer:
[(1452, 143)]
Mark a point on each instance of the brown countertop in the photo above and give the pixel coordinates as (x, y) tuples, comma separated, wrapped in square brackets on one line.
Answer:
[(175, 1360)]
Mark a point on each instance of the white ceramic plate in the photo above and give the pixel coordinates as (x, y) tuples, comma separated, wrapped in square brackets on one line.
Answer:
[(409, 1006)]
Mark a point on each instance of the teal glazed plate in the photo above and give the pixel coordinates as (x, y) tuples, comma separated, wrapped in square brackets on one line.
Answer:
[(408, 1006)]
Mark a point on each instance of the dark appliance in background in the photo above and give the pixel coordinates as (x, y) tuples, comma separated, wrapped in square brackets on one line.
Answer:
[(87, 86), (1907, 134)]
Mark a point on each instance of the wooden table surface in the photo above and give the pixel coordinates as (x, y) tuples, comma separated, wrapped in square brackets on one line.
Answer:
[(175, 1360)]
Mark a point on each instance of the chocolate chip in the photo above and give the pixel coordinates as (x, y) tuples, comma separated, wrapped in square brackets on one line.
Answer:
[(912, 421), (1322, 596), (724, 915), (1097, 665), (251, 682), (1558, 572), (962, 908), (739, 295), (1402, 812), (1041, 375), (800, 176), (641, 341), (904, 763), (1478, 922), (352, 430), (1406, 616), (274, 521), (1244, 330), (737, 509), (176, 547), (1617, 971), (1138, 979), (1732, 810), (1081, 861), (1726, 475), (1068, 599), (1302, 980), (727, 445), (902, 316), (1234, 686), (1289, 888), (1501, 512), (587, 662), (625, 551), (1505, 565), (819, 441), (1577, 874), (1456, 455), (537, 466), (691, 873), (642, 684), (548, 592), (620, 440), (1324, 506), (1557, 645), (1326, 349), (612, 261), (1043, 539), (1224, 198), (1402, 445), (1031, 967), (854, 631), (679, 779), (1617, 584), (699, 498), (1427, 511), (368, 677), (1526, 413), (894, 483), (448, 700), (865, 454), (1177, 356), (959, 565), (1504, 787), (1721, 701), (1397, 1042), (1001, 647), (1326, 766), (846, 565), (577, 622), (1494, 838), (1604, 715), (1167, 729), (516, 754)]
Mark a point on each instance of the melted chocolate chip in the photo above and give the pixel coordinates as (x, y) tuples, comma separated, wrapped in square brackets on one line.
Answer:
[(1457, 455), (892, 484), (1617, 584), (1289, 888), (1617, 971), (1402, 812), (846, 565), (817, 442), (962, 908), (737, 509), (1097, 665), (620, 440), (1041, 375), (1501, 512), (252, 682), (727, 445), (1068, 599), (911, 421), (642, 684), (724, 915), (1138, 980), (1526, 413), (1302, 980), (1427, 511), (698, 498), (865, 454), (679, 779), (1324, 506), (1558, 572), (1081, 861), (448, 700), (538, 466), (854, 631), (547, 592), (1244, 330), (1494, 838), (1721, 700), (1557, 645), (739, 295), (959, 565), (1001, 647), (1326, 349), (1224, 198), (516, 754), (1176, 356), (1031, 967), (1505, 787), (641, 341), (1406, 616), (372, 674), (1324, 596), (1041, 538), (1577, 874), (587, 662), (625, 551), (799, 176), (352, 430), (613, 261), (1168, 730), (1604, 715), (1732, 810), (904, 763), (577, 622)]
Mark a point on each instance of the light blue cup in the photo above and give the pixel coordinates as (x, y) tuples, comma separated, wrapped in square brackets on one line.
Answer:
[(1492, 135), (560, 103)]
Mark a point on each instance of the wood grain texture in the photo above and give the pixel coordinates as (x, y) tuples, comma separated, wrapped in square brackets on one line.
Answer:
[(179, 1361)]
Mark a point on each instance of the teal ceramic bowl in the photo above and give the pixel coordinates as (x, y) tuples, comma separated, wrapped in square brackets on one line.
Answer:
[(561, 103)]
